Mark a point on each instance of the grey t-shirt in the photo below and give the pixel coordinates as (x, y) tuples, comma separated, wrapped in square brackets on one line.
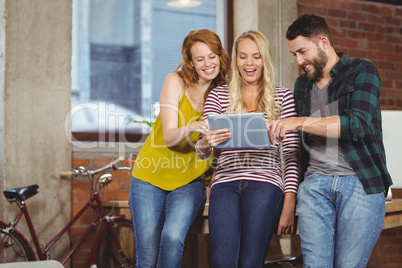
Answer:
[(326, 157)]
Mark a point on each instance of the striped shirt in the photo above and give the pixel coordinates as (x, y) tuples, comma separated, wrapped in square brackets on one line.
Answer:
[(257, 164)]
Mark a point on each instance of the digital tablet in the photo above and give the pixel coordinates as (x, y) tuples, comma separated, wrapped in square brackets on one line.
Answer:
[(248, 130)]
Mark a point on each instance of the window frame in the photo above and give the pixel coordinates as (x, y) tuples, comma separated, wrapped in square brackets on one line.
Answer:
[(96, 136)]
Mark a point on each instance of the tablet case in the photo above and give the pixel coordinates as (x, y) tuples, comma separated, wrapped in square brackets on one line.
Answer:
[(248, 130)]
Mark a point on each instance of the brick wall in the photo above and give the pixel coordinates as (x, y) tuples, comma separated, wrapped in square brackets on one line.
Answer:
[(388, 250), (367, 30), (80, 190)]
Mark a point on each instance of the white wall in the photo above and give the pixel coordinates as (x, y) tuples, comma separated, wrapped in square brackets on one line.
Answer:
[(271, 18), (392, 129), (35, 94)]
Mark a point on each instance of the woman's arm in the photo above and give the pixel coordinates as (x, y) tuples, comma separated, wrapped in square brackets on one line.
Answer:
[(171, 93), (213, 105), (290, 149)]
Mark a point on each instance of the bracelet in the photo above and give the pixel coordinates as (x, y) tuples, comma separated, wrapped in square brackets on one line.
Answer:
[(200, 154)]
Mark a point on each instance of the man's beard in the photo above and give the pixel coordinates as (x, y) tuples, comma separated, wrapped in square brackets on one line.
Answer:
[(318, 64)]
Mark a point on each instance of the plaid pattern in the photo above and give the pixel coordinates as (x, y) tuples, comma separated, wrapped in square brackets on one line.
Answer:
[(353, 95)]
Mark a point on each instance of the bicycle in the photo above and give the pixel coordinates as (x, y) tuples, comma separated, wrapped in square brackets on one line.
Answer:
[(113, 243)]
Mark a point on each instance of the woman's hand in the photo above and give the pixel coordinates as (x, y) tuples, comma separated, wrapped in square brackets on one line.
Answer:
[(211, 139), (286, 221), (198, 126), (216, 137)]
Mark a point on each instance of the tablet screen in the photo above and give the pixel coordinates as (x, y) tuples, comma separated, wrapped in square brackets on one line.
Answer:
[(247, 130)]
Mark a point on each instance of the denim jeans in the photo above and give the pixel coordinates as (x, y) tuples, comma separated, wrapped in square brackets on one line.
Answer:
[(339, 223), (161, 221), (242, 215)]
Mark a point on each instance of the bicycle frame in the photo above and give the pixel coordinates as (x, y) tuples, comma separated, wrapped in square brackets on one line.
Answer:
[(12, 230), (42, 252)]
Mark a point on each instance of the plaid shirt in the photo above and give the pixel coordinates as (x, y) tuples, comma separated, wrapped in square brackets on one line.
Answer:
[(353, 95)]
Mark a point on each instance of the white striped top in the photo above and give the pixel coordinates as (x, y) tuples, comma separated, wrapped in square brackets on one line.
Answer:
[(257, 164)]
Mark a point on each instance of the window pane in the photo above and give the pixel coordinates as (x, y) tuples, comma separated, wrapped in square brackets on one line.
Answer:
[(122, 51)]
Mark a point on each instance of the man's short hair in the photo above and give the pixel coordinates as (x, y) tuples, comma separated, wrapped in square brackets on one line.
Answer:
[(310, 26)]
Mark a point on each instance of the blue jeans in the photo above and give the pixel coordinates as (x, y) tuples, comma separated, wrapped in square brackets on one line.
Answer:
[(339, 223), (242, 215), (161, 221)]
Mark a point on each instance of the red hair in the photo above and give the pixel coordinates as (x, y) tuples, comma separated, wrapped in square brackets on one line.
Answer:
[(186, 70)]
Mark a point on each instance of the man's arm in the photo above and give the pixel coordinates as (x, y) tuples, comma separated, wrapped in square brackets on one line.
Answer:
[(353, 122), (329, 127)]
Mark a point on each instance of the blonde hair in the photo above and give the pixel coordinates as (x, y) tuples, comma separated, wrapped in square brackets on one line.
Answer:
[(266, 101)]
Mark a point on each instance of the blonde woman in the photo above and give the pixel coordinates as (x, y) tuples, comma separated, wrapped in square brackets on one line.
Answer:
[(249, 194)]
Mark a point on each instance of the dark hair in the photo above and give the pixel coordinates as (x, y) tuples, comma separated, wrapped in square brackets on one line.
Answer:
[(212, 40), (310, 26)]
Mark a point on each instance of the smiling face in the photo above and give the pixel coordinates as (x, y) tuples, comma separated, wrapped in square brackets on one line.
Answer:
[(249, 61), (310, 56), (205, 62)]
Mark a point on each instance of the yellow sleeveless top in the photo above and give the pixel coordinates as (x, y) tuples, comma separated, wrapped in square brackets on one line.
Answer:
[(170, 168)]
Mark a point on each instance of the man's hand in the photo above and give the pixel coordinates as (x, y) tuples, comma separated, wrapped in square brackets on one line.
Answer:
[(277, 129), (329, 127)]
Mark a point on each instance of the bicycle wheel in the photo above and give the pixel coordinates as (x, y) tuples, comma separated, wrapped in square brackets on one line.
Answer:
[(107, 255), (14, 247)]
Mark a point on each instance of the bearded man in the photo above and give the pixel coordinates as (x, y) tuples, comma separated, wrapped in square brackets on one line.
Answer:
[(341, 201)]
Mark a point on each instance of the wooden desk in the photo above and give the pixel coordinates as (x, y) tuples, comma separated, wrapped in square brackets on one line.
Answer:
[(393, 213), (117, 208), (199, 230)]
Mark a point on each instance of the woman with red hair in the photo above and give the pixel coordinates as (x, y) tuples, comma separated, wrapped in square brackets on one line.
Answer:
[(167, 189)]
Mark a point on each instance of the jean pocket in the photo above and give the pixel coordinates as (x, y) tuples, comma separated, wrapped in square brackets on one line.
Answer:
[(307, 177)]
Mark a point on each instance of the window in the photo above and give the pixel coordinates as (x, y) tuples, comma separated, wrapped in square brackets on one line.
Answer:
[(122, 52)]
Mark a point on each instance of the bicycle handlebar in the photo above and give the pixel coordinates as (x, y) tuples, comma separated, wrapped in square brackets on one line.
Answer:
[(117, 161), (66, 173), (80, 171)]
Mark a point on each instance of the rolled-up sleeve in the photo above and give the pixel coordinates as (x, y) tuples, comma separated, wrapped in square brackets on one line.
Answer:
[(364, 102)]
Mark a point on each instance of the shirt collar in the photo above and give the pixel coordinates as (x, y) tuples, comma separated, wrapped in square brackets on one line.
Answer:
[(340, 65)]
